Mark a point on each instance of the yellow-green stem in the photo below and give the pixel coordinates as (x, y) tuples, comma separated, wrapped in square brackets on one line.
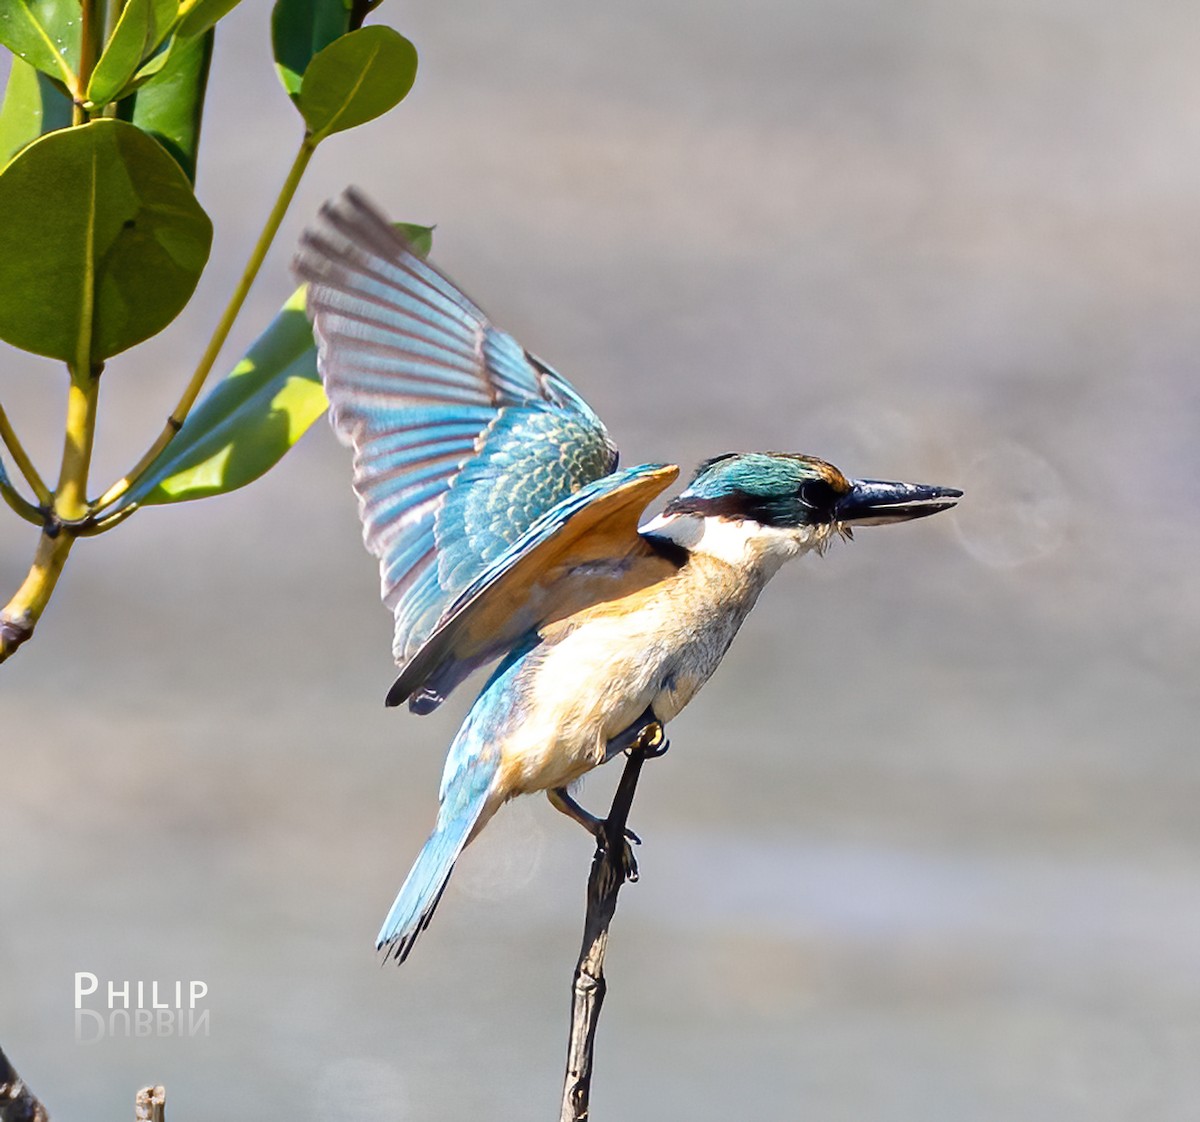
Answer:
[(70, 500), (20, 505), (21, 458), (22, 612), (221, 333)]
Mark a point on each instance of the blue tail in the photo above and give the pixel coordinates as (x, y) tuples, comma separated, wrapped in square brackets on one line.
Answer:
[(465, 790), (466, 787), (426, 881)]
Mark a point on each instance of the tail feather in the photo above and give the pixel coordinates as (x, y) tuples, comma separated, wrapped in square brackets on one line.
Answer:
[(469, 794), (426, 881)]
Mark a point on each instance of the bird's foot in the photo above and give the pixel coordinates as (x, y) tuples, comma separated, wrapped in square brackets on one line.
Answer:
[(561, 800), (625, 864), (651, 741), (645, 735)]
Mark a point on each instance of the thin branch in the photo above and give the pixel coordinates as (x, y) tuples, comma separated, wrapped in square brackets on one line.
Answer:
[(17, 1102), (90, 45), (612, 865), (21, 458), (18, 502), (20, 615), (91, 526)]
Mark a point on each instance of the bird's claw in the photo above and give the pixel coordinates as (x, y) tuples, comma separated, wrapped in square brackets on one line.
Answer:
[(626, 862), (629, 866), (651, 741)]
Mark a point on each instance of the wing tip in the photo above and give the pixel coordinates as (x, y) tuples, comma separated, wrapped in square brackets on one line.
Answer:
[(348, 228)]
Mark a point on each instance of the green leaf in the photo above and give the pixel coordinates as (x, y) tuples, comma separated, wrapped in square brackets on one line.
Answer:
[(101, 245), (419, 238), (299, 29), (154, 64), (247, 423), (355, 79), (141, 30), (45, 34), (196, 19), (169, 107), (200, 15), (33, 106)]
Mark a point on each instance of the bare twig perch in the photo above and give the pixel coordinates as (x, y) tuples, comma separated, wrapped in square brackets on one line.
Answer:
[(611, 867), (17, 1102), (150, 1104)]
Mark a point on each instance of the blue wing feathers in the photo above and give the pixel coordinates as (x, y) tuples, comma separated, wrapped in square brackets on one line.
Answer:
[(353, 219), (523, 468), (461, 439), (370, 321), (397, 510), (544, 527)]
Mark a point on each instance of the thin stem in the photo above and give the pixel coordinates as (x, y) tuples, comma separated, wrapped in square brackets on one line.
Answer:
[(20, 505), (70, 499), (92, 527), (91, 43), (21, 459), (221, 333), (612, 865), (22, 612)]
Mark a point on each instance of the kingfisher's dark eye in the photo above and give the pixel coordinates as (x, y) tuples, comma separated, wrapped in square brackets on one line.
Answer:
[(819, 497)]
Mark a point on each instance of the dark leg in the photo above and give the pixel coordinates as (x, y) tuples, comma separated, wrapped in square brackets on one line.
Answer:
[(562, 800), (644, 737)]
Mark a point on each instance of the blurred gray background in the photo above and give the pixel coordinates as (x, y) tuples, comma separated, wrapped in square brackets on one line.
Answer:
[(927, 847)]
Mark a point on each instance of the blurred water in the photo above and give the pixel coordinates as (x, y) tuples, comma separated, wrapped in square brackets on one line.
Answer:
[(927, 846)]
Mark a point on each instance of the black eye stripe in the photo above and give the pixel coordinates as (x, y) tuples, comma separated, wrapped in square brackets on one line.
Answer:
[(819, 496)]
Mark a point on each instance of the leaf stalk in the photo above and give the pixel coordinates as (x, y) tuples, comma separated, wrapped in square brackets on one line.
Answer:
[(20, 505), (21, 458)]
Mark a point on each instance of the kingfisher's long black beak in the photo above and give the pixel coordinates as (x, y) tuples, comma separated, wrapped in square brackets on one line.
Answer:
[(872, 502)]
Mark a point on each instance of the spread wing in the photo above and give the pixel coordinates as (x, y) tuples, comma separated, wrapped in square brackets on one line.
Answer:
[(470, 454)]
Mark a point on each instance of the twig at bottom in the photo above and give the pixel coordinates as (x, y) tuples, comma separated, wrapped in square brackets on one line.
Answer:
[(150, 1104), (611, 867), (17, 1102)]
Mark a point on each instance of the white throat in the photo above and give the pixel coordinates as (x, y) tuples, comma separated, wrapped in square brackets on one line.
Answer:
[(740, 542)]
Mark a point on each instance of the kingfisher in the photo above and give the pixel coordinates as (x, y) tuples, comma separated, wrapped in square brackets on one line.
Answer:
[(506, 532)]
